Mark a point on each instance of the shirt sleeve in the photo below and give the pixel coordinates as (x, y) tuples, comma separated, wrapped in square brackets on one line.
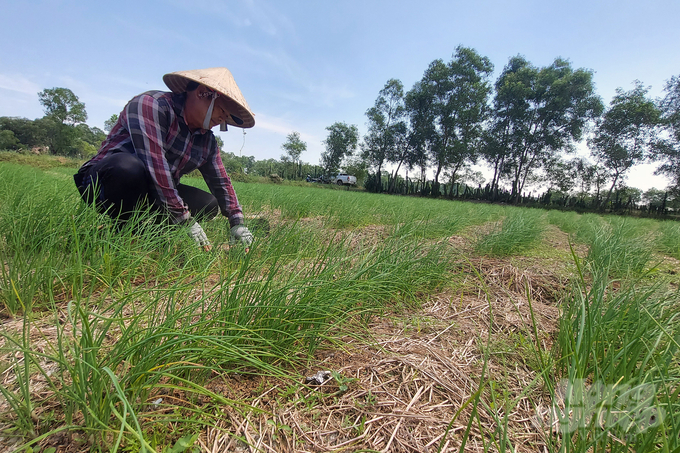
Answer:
[(148, 121), (220, 186)]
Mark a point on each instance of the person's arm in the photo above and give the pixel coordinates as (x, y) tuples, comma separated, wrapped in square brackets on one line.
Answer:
[(220, 186), (148, 121)]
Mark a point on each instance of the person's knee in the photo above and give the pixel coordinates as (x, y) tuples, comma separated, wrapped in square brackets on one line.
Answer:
[(126, 170), (208, 210)]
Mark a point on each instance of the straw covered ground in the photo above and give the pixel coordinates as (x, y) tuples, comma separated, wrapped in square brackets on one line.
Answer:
[(404, 382)]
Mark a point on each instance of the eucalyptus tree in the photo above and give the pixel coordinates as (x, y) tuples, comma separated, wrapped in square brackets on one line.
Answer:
[(386, 127), (626, 134), (341, 142), (668, 149), (420, 134), (561, 174), (537, 113), (294, 146), (458, 93)]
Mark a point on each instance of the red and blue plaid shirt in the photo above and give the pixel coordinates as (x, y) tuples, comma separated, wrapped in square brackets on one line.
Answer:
[(152, 127)]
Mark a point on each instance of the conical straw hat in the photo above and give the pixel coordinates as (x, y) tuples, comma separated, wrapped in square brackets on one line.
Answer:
[(220, 80)]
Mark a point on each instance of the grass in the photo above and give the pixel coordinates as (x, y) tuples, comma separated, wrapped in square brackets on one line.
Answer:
[(126, 330), (668, 239), (520, 231), (618, 357)]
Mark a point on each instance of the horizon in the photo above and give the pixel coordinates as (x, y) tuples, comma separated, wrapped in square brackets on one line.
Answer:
[(304, 66)]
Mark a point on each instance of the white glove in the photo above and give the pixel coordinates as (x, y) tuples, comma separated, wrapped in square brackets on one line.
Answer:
[(198, 235), (241, 233)]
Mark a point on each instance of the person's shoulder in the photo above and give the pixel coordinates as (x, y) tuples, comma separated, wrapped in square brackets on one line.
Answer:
[(160, 101), (153, 96)]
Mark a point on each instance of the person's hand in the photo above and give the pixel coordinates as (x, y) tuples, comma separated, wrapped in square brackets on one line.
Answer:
[(241, 233), (198, 235)]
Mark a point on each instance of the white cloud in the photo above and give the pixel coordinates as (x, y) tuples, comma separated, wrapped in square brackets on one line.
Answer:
[(19, 84), (282, 127), (328, 94)]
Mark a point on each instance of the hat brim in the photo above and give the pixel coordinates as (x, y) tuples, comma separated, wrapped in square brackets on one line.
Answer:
[(178, 82)]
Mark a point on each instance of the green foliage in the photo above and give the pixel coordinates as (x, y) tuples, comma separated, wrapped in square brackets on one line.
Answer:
[(518, 232), (62, 105), (356, 167), (29, 133), (384, 141), (667, 149), (626, 133), (341, 142), (294, 146), (180, 316), (618, 359), (92, 135), (565, 221), (113, 119), (537, 112), (8, 140), (456, 96), (271, 307)]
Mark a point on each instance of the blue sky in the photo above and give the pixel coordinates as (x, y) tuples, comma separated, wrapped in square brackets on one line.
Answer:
[(303, 65)]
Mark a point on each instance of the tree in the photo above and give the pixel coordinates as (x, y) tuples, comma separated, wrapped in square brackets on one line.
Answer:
[(64, 110), (562, 175), (294, 147), (385, 128), (357, 167), (626, 133), (29, 133), (655, 197), (62, 105), (341, 142), (537, 112), (8, 140), (458, 94), (108, 124), (419, 138), (667, 150), (92, 135)]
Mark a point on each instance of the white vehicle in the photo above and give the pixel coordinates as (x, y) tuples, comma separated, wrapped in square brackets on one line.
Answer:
[(345, 179)]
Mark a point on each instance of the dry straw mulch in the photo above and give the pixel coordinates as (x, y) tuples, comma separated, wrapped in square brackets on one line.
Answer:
[(398, 390), (399, 385)]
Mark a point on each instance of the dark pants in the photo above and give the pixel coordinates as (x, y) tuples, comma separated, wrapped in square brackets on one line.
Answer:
[(120, 183)]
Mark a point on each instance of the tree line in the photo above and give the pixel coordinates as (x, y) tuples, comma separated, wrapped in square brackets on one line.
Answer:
[(524, 126), (61, 131)]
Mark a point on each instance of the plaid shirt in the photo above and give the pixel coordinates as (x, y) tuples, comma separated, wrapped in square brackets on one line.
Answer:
[(152, 127)]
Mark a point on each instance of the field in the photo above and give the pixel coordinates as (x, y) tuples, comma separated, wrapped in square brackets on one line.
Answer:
[(445, 326)]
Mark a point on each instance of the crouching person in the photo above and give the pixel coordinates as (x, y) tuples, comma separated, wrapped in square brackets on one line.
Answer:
[(161, 136)]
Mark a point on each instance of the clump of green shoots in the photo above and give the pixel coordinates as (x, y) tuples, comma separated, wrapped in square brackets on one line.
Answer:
[(618, 362), (621, 248), (668, 238), (518, 232)]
